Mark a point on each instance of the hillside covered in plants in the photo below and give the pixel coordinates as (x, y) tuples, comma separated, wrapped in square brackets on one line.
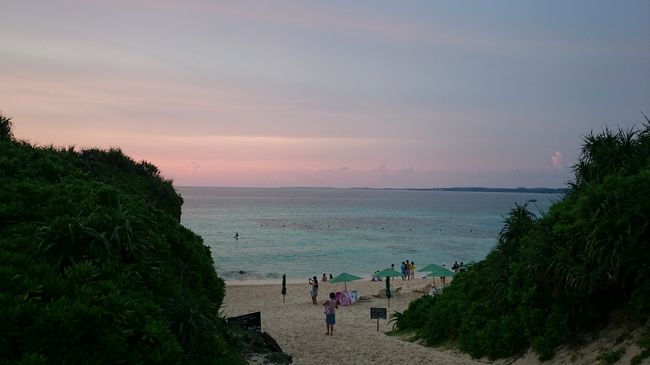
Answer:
[(556, 276), (95, 267)]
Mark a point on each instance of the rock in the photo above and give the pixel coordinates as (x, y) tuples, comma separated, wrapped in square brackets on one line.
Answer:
[(263, 349), (279, 358)]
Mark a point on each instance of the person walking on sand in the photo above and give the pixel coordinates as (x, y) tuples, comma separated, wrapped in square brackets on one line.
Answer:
[(323, 279), (329, 309), (314, 289)]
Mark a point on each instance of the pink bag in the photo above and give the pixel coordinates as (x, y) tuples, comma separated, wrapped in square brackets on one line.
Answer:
[(328, 308)]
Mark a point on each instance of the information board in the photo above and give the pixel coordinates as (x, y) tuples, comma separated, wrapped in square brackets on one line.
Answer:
[(377, 313), (250, 321)]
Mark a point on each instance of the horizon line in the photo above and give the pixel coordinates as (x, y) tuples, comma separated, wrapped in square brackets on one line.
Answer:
[(376, 188)]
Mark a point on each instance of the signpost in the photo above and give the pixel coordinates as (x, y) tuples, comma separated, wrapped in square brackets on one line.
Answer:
[(250, 321), (284, 286), (377, 313)]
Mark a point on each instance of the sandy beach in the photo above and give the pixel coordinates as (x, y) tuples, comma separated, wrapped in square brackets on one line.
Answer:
[(299, 326)]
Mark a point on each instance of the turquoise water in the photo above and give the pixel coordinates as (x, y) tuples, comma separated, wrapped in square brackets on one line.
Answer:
[(303, 232)]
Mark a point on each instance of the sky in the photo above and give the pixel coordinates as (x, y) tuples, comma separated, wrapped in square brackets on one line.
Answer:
[(413, 94)]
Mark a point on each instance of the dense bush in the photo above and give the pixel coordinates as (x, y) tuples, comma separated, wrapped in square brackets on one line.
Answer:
[(95, 267), (552, 278)]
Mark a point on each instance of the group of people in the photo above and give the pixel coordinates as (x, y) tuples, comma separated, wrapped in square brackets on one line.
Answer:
[(324, 278), (329, 306), (456, 266), (408, 270)]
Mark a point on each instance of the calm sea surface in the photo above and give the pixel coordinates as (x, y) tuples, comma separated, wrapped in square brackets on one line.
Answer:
[(302, 232)]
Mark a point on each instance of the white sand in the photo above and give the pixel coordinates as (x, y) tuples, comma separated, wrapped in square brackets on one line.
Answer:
[(299, 326)]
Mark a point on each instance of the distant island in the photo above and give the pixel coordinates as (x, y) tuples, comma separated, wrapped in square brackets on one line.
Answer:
[(484, 190), (504, 190)]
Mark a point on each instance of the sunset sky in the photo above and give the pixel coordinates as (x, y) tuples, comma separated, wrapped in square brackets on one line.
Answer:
[(329, 93)]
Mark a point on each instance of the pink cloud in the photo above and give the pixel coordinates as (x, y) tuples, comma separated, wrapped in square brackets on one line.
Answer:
[(557, 160)]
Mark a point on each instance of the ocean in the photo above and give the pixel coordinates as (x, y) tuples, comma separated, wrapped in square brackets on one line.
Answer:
[(303, 232)]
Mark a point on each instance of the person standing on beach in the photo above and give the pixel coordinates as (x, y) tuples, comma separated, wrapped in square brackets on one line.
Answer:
[(407, 270), (330, 313), (412, 269), (314, 289), (403, 269)]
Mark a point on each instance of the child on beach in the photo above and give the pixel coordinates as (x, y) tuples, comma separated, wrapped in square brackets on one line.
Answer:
[(330, 307)]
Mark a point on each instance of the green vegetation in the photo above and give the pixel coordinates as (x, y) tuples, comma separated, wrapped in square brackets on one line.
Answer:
[(95, 267), (644, 344), (610, 356), (553, 278)]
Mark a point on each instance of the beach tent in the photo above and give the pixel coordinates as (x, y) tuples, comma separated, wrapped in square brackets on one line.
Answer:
[(344, 278)]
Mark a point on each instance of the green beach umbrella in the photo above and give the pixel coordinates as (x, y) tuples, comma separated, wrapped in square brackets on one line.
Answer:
[(428, 267), (344, 278), (437, 270), (441, 272), (284, 286), (387, 272)]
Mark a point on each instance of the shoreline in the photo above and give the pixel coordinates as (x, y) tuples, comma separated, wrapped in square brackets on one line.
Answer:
[(248, 282), (254, 282)]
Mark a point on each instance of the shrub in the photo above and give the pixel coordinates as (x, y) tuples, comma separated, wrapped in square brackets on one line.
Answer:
[(552, 278), (95, 267)]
